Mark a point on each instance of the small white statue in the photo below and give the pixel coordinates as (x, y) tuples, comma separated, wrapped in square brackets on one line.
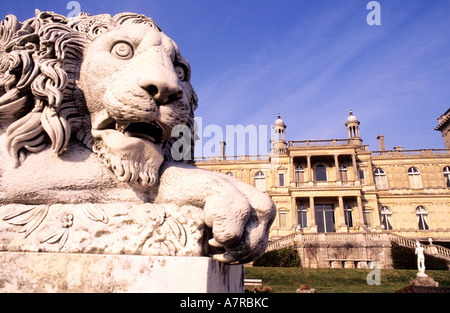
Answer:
[(420, 259)]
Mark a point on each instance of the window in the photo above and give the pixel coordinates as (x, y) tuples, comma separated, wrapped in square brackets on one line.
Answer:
[(260, 181), (362, 177), (367, 216), (302, 216), (414, 178), (348, 213), (380, 179), (343, 173), (447, 175), (324, 214), (299, 174), (422, 218), (321, 173), (386, 218), (283, 218), (281, 179), (229, 174)]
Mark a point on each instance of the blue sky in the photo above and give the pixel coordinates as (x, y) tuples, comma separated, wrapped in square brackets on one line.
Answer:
[(309, 60)]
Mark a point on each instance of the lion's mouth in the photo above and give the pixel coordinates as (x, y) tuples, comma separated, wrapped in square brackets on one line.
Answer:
[(154, 131), (132, 150)]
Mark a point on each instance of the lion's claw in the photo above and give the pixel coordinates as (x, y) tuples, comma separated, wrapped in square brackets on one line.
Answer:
[(213, 242), (225, 258)]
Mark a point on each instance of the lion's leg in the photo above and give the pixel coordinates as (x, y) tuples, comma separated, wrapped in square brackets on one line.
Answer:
[(226, 209), (238, 214), (227, 216)]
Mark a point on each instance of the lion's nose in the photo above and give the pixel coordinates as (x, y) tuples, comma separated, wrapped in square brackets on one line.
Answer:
[(162, 90)]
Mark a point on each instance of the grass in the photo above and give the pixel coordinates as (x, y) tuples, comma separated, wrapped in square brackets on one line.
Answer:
[(288, 279)]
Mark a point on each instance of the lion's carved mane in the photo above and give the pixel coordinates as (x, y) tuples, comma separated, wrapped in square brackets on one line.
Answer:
[(40, 64)]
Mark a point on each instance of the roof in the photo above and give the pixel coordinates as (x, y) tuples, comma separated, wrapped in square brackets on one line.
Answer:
[(443, 120), (351, 118), (279, 121)]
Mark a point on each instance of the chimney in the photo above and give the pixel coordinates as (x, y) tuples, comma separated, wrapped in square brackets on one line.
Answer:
[(381, 142), (222, 149)]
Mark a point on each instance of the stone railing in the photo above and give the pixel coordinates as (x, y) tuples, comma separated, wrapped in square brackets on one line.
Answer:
[(287, 241), (327, 184), (422, 152), (442, 251), (233, 158), (410, 243), (430, 249), (320, 143), (300, 239)]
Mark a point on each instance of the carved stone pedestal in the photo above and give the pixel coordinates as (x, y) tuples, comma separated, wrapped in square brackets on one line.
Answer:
[(97, 273), (423, 279)]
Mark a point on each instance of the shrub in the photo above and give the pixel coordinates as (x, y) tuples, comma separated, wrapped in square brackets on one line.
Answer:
[(285, 257), (405, 258), (304, 287)]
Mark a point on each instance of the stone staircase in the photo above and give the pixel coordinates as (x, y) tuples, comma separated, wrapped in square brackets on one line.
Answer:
[(435, 250), (299, 239)]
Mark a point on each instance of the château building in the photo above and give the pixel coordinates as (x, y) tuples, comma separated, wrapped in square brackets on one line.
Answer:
[(341, 186)]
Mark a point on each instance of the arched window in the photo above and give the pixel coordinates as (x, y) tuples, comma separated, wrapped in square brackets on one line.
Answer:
[(299, 174), (321, 173), (415, 180), (343, 173), (229, 174), (380, 178), (447, 175), (260, 181), (348, 212), (302, 216), (282, 217), (386, 218), (422, 218), (279, 134)]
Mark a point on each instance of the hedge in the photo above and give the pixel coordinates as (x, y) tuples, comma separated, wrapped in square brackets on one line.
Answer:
[(285, 257)]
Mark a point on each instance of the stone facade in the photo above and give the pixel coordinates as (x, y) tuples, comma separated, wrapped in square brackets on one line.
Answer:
[(341, 186)]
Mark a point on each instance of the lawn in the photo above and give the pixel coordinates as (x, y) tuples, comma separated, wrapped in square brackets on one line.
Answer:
[(288, 279)]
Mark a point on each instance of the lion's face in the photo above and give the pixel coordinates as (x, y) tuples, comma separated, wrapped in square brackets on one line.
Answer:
[(136, 87), (118, 84)]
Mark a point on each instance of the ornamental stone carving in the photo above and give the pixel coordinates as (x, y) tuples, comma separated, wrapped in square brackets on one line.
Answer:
[(87, 109)]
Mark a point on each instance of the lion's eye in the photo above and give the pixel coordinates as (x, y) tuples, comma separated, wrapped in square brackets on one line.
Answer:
[(181, 71), (122, 50)]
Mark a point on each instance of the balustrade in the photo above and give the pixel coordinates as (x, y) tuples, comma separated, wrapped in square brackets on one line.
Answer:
[(327, 184)]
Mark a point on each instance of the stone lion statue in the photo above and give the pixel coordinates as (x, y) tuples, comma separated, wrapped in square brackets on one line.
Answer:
[(88, 108)]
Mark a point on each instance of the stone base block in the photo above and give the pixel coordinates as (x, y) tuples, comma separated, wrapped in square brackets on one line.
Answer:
[(97, 273), (423, 279)]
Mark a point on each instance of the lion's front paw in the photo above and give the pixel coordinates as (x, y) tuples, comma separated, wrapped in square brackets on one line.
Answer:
[(240, 225), (237, 216)]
